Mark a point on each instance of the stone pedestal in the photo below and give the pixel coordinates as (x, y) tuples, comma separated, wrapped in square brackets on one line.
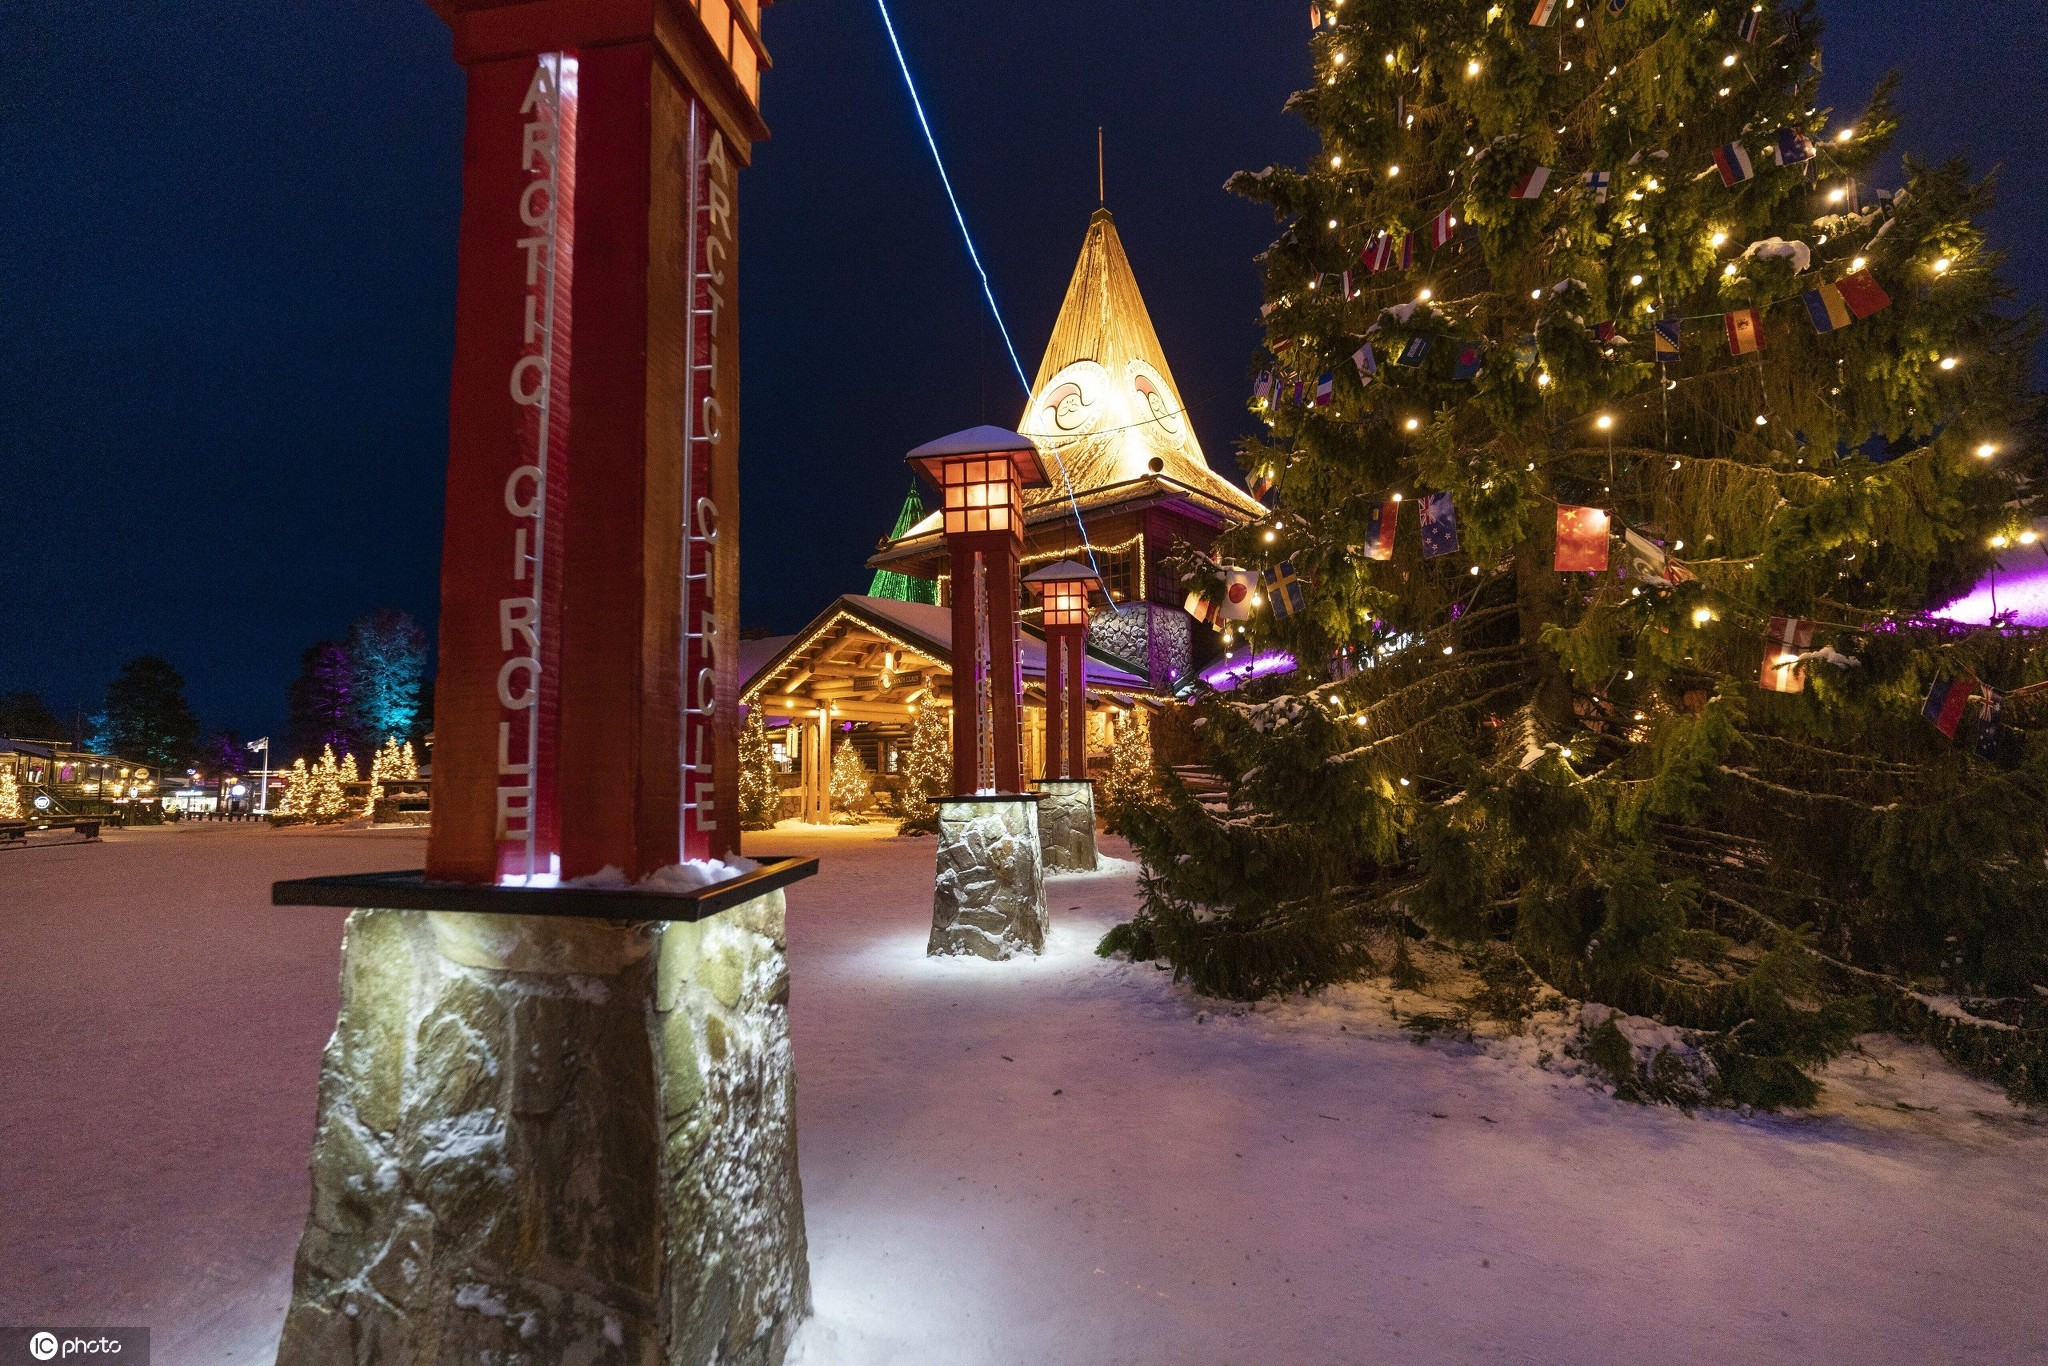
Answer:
[(990, 895), (1066, 824), (555, 1140)]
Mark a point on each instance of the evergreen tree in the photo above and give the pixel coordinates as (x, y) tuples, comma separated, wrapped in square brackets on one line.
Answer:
[(327, 800), (1130, 782), (927, 771), (387, 655), (321, 703), (146, 717), (10, 796), (297, 802), (851, 783), (760, 793), (1580, 767), (25, 716)]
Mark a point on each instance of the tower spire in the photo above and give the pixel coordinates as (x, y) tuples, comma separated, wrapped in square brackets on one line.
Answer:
[(1101, 198)]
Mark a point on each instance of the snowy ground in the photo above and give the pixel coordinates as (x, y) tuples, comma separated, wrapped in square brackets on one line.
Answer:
[(1061, 1160)]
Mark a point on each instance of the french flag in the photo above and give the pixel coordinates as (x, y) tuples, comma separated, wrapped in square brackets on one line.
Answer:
[(1531, 185), (1733, 163)]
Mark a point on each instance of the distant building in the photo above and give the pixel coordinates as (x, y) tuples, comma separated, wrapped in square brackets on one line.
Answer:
[(71, 778), (1123, 457)]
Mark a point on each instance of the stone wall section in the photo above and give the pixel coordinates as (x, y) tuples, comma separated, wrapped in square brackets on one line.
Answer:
[(989, 899)]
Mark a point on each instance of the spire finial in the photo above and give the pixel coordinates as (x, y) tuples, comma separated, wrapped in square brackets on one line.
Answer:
[(1100, 196)]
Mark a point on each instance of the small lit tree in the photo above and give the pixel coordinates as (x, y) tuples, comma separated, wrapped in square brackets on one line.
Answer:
[(927, 771), (851, 783), (297, 802), (390, 764), (10, 797), (760, 793), (327, 801), (1130, 783)]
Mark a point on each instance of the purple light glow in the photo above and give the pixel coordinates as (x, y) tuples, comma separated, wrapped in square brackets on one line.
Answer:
[(1229, 673), (2017, 588)]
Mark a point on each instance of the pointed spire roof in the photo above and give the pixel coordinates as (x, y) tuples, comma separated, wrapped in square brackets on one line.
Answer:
[(904, 587), (1105, 406)]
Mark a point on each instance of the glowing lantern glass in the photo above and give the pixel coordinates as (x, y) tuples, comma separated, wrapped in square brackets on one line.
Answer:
[(1064, 590), (980, 495)]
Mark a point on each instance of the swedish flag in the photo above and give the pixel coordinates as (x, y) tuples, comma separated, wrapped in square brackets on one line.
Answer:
[(1284, 591)]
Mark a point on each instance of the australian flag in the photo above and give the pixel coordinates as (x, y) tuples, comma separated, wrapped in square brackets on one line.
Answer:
[(1439, 525)]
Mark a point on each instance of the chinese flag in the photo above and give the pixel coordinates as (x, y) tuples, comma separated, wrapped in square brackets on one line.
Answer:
[(1581, 540)]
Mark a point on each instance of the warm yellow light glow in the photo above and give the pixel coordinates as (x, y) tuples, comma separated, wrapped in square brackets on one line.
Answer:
[(1412, 423), (1397, 497), (1269, 538), (1635, 279), (1948, 362), (1845, 135), (1941, 265), (1543, 380), (1425, 296), (1393, 171), (1729, 60), (1999, 542), (1762, 421), (1336, 161), (1536, 294), (1475, 571), (1472, 68), (1390, 59), (1333, 222), (1857, 264), (1720, 238), (1604, 421), (1729, 270), (2028, 538), (1702, 615), (1837, 195), (1986, 450), (1338, 59)]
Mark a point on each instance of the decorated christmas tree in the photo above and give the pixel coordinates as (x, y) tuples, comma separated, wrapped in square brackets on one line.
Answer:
[(10, 796), (888, 583), (297, 802), (927, 771), (327, 801), (1130, 782), (851, 783), (1625, 437), (760, 793)]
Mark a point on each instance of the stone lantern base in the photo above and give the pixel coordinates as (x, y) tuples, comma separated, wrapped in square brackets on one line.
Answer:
[(1066, 824), (555, 1140), (990, 894)]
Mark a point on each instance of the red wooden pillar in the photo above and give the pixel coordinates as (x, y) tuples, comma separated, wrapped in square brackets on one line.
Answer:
[(1063, 590), (585, 708), (981, 474)]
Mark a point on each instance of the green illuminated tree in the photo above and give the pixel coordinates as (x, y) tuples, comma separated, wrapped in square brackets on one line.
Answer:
[(1579, 769)]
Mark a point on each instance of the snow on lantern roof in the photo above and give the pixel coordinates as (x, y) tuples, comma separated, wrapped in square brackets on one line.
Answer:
[(984, 440), (1063, 571)]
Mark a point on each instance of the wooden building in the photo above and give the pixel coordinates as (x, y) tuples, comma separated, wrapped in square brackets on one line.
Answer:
[(1123, 457)]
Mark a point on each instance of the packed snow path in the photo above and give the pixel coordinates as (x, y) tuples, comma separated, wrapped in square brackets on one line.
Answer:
[(1055, 1160)]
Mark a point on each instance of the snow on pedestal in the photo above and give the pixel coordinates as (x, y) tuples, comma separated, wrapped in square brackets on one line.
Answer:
[(990, 894), (1066, 824), (555, 1140)]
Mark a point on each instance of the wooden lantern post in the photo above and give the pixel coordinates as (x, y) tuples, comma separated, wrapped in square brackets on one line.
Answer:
[(989, 895), (557, 1121), (981, 474), (1063, 590)]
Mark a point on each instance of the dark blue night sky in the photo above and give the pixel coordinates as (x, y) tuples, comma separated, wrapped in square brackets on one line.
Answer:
[(228, 276)]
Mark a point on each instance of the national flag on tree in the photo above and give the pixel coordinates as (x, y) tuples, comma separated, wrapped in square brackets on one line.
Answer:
[(1379, 253), (1863, 294), (1347, 284), (1442, 228), (1439, 526), (1649, 561), (1615, 7), (1750, 25), (1946, 701), (1582, 536), (1260, 484), (1326, 390), (1367, 363), (1531, 185), (1262, 387), (1597, 182), (1666, 333), (1407, 253), (1792, 147), (1414, 353), (1470, 361), (1732, 160), (1200, 608), (1315, 16), (1605, 332), (1380, 524), (1828, 309), (1745, 332), (1784, 641), (1989, 712), (1546, 10), (1239, 585), (1284, 591)]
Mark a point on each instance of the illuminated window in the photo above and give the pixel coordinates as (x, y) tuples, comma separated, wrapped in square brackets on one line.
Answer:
[(981, 495)]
